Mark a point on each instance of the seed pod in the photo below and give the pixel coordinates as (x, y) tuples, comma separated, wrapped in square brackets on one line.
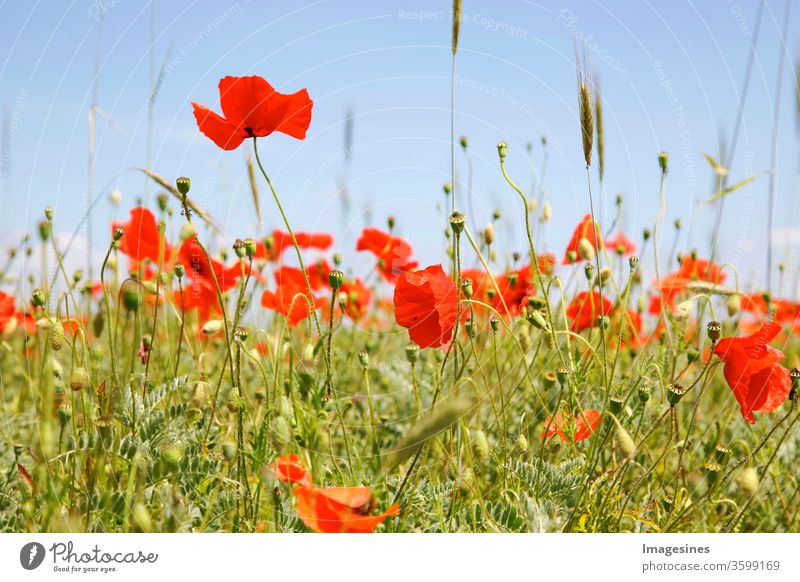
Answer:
[(412, 351), (748, 480), (714, 329), (79, 379), (733, 304), (234, 402), (488, 234), (98, 322), (64, 412), (712, 470), (722, 452), (675, 393), (586, 249), (55, 335), (547, 211), (615, 404), (280, 431), (502, 150)]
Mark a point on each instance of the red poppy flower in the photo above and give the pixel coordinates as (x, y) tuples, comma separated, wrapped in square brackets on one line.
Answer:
[(252, 108), (196, 265), (585, 229), (354, 295), (752, 371), (621, 244), (514, 287), (199, 294), (7, 312), (392, 252), (290, 469), (273, 247), (339, 509), (318, 274), (547, 263), (572, 429), (694, 269), (585, 308), (140, 238), (289, 300), (426, 303)]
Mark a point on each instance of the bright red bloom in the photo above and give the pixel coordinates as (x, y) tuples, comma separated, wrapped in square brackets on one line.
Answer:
[(339, 509), (393, 253), (585, 229), (426, 303), (199, 294), (354, 295), (7, 312), (758, 381), (514, 287), (547, 263), (197, 267), (280, 241), (252, 108), (585, 308), (621, 244), (289, 299), (140, 238), (290, 469), (318, 274), (572, 429), (700, 270)]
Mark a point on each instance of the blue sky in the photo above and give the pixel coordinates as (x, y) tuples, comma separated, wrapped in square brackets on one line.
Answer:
[(671, 75)]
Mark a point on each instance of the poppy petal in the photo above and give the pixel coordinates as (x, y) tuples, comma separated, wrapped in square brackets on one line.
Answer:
[(216, 128)]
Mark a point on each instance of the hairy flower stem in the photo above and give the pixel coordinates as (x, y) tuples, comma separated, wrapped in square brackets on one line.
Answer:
[(114, 374), (662, 209), (180, 334), (290, 231), (155, 309)]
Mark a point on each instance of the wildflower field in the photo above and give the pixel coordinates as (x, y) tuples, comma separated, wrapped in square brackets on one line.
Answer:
[(212, 377)]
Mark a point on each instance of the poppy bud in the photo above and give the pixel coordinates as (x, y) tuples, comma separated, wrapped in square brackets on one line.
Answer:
[(480, 446), (734, 304), (281, 432), (536, 319), (488, 234), (178, 270), (603, 321), (238, 248), (234, 401), (588, 270), (585, 249), (615, 404), (502, 150), (463, 141), (522, 445), (188, 230), (495, 324), (644, 393), (748, 480), (663, 158), (44, 230), (447, 187), (412, 351), (603, 276), (549, 379), (714, 329), (115, 197), (625, 441), (675, 393), (183, 185), (131, 299), (335, 279), (721, 452), (56, 335), (212, 326), (363, 359), (678, 223), (162, 201), (646, 234), (79, 379), (38, 298), (56, 368), (633, 262), (48, 213), (457, 221), (491, 293), (496, 214), (684, 310), (561, 375), (466, 288), (250, 247), (536, 302), (240, 334)]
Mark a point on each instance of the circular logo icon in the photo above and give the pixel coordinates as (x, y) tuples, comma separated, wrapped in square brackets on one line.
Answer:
[(31, 555)]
